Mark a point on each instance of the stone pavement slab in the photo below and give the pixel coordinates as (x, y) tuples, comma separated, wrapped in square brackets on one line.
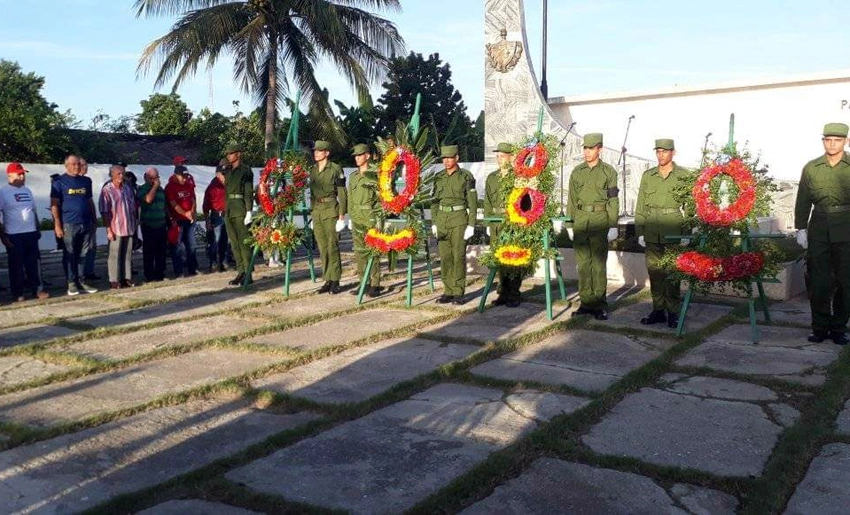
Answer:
[(65, 309), (131, 386), (361, 373), (312, 305), (195, 507), (122, 346), (720, 437), (842, 425), (73, 472), (783, 353), (555, 486), (174, 290), (795, 311), (544, 406), (587, 360), (19, 335), (824, 489), (185, 309), (722, 389), (496, 323), (343, 330), (22, 369), (699, 316), (392, 458)]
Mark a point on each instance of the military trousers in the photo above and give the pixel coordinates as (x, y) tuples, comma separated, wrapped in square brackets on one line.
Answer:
[(665, 293), (328, 241), (362, 253), (828, 265), (509, 282), (237, 233), (591, 249), (452, 248)]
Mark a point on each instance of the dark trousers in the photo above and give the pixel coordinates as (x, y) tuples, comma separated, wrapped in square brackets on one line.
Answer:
[(154, 244), (91, 255), (77, 244), (23, 258), (184, 252), (218, 250), (828, 264)]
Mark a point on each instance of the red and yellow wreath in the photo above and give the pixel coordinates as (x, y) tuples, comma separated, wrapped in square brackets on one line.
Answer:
[(513, 255), (715, 269), (711, 213), (525, 206), (281, 238), (389, 200), (286, 197), (386, 242), (531, 160)]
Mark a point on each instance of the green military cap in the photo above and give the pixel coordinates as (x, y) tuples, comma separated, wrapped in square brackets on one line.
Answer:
[(232, 147), (507, 148), (592, 139), (322, 145), (360, 148), (665, 144), (448, 151), (835, 129)]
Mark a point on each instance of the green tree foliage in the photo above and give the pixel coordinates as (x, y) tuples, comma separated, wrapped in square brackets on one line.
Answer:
[(276, 46), (213, 131), (163, 115), (442, 108), (31, 128), (358, 123)]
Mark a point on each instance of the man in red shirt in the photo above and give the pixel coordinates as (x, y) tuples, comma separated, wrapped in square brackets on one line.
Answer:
[(180, 198), (214, 205)]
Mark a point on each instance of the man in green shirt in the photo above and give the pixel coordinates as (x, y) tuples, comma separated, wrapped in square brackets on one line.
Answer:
[(594, 206), (494, 206), (454, 204), (825, 231), (363, 205), (329, 203), (239, 189), (658, 214), (154, 230)]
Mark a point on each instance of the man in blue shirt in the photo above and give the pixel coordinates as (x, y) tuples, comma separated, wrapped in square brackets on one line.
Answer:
[(73, 214)]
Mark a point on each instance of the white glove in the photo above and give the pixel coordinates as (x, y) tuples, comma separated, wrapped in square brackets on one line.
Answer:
[(612, 234), (735, 232), (468, 232), (803, 238), (558, 226), (641, 241), (570, 233), (340, 225), (685, 242), (434, 230), (488, 231), (249, 217), (311, 224)]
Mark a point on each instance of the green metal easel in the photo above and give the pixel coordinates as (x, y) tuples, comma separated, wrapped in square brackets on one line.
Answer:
[(413, 127), (301, 209)]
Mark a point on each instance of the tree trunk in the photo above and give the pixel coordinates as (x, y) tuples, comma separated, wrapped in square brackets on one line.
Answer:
[(271, 96)]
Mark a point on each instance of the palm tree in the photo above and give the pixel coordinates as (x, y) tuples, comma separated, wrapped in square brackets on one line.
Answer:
[(275, 46)]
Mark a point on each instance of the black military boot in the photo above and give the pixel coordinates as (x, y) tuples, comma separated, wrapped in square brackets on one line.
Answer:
[(326, 287), (818, 336), (672, 320), (238, 279), (656, 316), (839, 337), (334, 287)]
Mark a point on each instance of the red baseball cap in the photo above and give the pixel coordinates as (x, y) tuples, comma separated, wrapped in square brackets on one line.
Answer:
[(179, 160), (15, 168)]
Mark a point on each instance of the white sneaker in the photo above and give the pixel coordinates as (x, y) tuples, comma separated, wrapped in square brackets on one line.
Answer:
[(73, 290), (88, 289)]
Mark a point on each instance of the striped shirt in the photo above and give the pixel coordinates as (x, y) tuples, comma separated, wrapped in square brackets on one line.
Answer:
[(121, 206)]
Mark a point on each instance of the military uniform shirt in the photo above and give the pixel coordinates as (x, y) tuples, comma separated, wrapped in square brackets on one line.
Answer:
[(657, 212), (494, 199), (593, 188), (826, 188), (363, 196), (239, 190), (328, 196), (458, 191)]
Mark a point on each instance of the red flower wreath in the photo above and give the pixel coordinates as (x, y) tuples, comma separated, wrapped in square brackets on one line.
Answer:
[(395, 204), (539, 159), (384, 242), (711, 213), (713, 269), (287, 196), (525, 206)]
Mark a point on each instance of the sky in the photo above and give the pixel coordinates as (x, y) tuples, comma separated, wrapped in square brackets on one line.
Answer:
[(88, 50)]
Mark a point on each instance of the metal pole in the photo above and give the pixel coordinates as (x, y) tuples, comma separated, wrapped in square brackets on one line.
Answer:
[(544, 86)]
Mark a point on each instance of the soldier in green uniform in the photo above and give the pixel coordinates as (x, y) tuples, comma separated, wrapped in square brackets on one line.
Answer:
[(453, 208), (825, 231), (593, 205), (658, 214), (494, 205), (239, 188), (363, 204), (328, 199)]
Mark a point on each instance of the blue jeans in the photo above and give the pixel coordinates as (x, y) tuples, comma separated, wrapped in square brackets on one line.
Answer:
[(91, 255), (184, 251), (77, 243), (218, 251)]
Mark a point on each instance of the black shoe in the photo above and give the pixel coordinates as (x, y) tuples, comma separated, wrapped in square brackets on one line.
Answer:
[(500, 301), (334, 287), (672, 320), (582, 311), (238, 279), (839, 337), (444, 299), (818, 336), (91, 277), (326, 287), (221, 268), (374, 291), (657, 316), (459, 300), (512, 303), (600, 314)]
